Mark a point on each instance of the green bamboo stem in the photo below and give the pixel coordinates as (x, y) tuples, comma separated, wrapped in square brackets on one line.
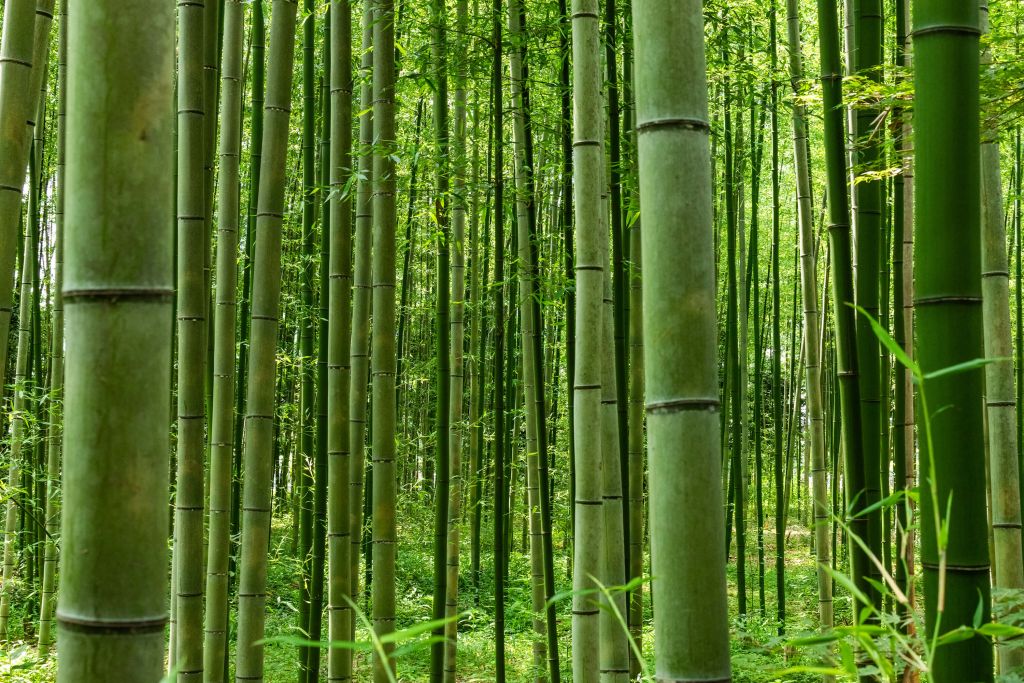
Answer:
[(637, 449), (867, 61), (360, 337), (20, 426), (54, 438), (680, 335), (17, 136), (498, 511), (320, 490), (221, 416), (908, 455), (339, 363), (591, 246), (307, 330), (191, 329), (442, 202), (20, 49), (1000, 392), (259, 443), (458, 427), (842, 287), (812, 327), (255, 158), (117, 293), (949, 317), (527, 283), (382, 363)]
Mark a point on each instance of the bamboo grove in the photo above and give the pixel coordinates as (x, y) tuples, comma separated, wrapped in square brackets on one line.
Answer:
[(522, 340)]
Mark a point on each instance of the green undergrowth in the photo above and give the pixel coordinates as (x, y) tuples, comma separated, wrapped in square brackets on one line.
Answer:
[(759, 654)]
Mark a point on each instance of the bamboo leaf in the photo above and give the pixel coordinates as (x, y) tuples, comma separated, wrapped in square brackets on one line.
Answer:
[(966, 366)]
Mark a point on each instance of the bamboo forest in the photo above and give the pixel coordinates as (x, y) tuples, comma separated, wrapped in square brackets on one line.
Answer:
[(664, 341)]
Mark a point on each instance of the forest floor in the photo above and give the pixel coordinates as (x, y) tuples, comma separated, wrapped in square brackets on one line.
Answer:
[(759, 655)]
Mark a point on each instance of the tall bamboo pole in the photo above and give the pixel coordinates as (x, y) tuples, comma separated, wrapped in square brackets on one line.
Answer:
[(339, 364), (842, 284), (21, 68), (361, 288), (442, 202), (809, 282), (591, 246), (191, 329), (1000, 392), (259, 443), (222, 417), (117, 293), (382, 360), (54, 438), (679, 314), (498, 511), (457, 426), (868, 205), (949, 317)]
